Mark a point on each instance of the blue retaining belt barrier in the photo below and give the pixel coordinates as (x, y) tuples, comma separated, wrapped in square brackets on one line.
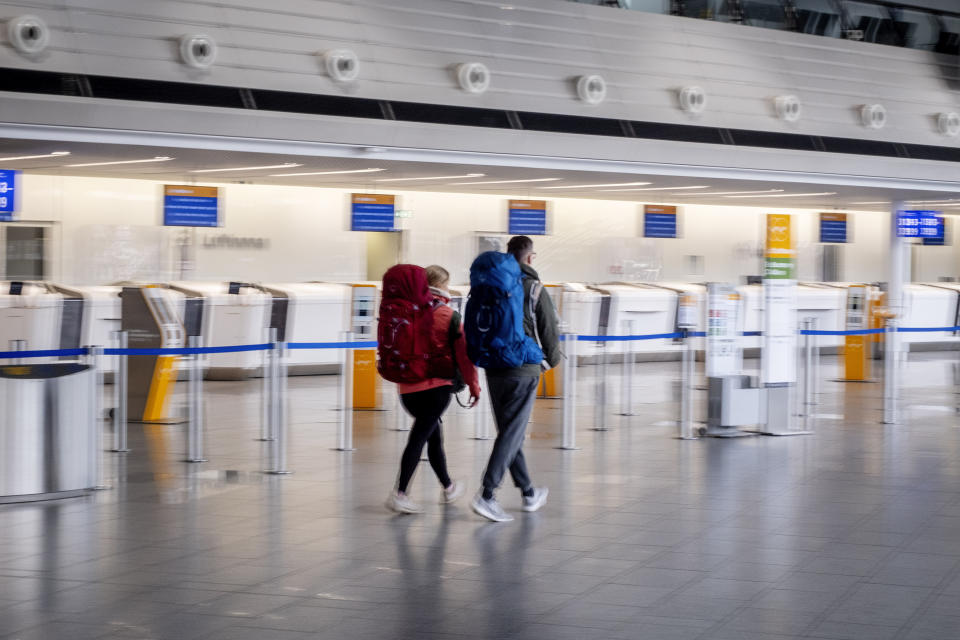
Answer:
[(371, 344), (46, 353), (363, 344), (186, 351)]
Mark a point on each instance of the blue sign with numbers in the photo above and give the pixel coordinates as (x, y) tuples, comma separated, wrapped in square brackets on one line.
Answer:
[(833, 227), (190, 206), (527, 218), (940, 239), (8, 194), (920, 224), (659, 221)]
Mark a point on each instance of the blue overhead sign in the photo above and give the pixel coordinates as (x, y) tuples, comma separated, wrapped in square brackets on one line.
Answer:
[(372, 212), (659, 221), (833, 227), (919, 224), (528, 218), (8, 194), (189, 206), (940, 239)]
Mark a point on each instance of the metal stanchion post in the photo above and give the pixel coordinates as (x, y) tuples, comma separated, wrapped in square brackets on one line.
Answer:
[(600, 393), (816, 366), (890, 371), (345, 431), (687, 370), (626, 392), (265, 388), (481, 416), (195, 404), (400, 415), (569, 437), (281, 430), (120, 380), (18, 345), (95, 355), (807, 372)]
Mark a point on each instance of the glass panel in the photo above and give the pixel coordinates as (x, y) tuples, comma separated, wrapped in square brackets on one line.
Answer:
[(25, 253), (818, 17), (765, 13)]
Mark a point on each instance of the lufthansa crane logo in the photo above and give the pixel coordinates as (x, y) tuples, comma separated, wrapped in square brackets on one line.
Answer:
[(779, 230)]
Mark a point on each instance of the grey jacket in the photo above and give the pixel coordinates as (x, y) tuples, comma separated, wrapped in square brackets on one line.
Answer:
[(547, 328)]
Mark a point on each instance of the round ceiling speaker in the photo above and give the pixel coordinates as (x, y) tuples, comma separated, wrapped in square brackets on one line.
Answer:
[(592, 89), (474, 77), (693, 99), (198, 51), (29, 35), (788, 108), (342, 65), (873, 116), (948, 123)]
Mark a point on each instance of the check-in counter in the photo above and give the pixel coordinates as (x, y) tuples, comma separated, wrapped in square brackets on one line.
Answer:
[(233, 314), (310, 312), (31, 313)]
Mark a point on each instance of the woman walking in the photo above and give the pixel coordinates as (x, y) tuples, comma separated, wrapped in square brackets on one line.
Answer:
[(428, 398)]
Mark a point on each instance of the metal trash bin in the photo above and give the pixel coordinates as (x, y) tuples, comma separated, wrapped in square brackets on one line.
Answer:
[(48, 432)]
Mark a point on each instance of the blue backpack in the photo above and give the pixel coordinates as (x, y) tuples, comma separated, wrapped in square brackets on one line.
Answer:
[(493, 320)]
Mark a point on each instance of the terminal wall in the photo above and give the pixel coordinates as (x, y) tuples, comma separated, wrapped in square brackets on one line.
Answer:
[(535, 50), (108, 230)]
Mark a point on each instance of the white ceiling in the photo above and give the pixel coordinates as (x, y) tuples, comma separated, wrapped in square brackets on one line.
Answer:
[(189, 165)]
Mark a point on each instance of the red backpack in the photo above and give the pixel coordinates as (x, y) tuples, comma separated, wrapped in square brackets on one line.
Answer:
[(406, 350)]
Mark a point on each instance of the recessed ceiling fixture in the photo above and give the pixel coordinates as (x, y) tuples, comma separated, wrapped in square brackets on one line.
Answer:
[(662, 188), (287, 165), (789, 195), (46, 155), (466, 175), (324, 173), (102, 164), (591, 186), (506, 181), (735, 193), (878, 202)]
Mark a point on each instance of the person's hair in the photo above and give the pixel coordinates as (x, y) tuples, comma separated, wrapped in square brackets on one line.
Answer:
[(520, 247), (437, 275)]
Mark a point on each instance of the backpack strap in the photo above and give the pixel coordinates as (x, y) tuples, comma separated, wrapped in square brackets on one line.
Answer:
[(535, 290)]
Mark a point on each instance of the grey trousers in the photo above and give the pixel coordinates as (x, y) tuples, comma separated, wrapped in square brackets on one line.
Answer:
[(512, 401)]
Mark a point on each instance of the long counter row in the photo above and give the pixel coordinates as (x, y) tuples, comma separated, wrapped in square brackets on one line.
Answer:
[(50, 316)]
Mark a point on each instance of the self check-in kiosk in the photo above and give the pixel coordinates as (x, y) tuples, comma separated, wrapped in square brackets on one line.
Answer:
[(856, 349), (551, 382), (149, 317), (363, 309)]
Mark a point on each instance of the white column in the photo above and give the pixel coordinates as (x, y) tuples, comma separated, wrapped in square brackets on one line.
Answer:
[(899, 273)]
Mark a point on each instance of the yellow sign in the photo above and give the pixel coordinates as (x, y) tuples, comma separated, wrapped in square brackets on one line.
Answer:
[(779, 236)]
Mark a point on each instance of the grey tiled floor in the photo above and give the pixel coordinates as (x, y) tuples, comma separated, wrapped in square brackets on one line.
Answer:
[(851, 533)]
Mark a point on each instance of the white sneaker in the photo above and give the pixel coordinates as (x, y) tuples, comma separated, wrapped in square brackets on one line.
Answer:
[(453, 492), (537, 500), (402, 503), (490, 509)]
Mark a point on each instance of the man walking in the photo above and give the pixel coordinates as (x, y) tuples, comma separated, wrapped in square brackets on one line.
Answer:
[(513, 390)]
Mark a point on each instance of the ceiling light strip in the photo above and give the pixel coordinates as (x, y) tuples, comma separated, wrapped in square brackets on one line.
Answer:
[(789, 195), (287, 165), (55, 154), (324, 173), (591, 186), (661, 188), (103, 164), (505, 181), (467, 175)]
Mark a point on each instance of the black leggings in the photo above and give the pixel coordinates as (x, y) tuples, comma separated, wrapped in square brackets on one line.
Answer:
[(426, 407)]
